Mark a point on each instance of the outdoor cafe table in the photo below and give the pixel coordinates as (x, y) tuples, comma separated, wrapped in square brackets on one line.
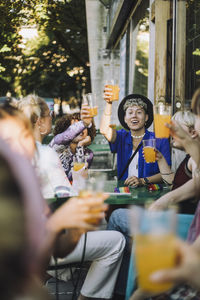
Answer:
[(139, 195)]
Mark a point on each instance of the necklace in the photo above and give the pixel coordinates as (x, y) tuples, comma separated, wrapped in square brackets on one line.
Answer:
[(138, 136)]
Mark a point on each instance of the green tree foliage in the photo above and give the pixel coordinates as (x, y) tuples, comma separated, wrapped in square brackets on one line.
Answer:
[(10, 53), (55, 62)]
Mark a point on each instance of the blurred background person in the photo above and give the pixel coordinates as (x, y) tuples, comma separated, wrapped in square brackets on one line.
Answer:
[(72, 134), (104, 249)]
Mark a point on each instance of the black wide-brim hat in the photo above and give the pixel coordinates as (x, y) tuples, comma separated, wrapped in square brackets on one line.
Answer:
[(149, 112)]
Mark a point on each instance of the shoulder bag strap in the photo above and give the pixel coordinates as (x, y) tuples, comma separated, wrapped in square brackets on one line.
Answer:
[(129, 161)]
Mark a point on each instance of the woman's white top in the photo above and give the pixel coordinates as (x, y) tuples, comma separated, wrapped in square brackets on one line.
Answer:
[(50, 170)]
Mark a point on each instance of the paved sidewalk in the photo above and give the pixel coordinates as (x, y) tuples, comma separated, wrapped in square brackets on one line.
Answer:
[(66, 289)]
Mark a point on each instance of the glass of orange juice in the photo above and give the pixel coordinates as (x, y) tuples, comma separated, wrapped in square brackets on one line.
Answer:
[(155, 246), (162, 115), (78, 162), (94, 187), (112, 88), (149, 150), (91, 100)]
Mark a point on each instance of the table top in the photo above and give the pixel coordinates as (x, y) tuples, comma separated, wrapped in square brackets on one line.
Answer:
[(139, 195)]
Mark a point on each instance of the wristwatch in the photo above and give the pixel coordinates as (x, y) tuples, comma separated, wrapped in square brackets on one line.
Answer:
[(146, 180)]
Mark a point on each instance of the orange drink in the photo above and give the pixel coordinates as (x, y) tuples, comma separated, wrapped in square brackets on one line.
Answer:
[(154, 252), (115, 91), (154, 245), (93, 111), (162, 115), (78, 166), (149, 154), (86, 194), (161, 131), (148, 150)]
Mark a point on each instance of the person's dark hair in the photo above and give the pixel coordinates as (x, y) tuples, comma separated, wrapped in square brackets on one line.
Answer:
[(64, 122), (195, 106), (12, 234)]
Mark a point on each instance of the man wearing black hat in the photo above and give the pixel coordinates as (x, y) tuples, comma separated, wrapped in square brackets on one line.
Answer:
[(135, 114)]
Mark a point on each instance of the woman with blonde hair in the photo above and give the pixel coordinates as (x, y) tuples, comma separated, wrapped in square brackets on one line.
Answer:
[(48, 165), (104, 249)]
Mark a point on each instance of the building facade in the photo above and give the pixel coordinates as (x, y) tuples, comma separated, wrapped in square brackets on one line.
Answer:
[(153, 48)]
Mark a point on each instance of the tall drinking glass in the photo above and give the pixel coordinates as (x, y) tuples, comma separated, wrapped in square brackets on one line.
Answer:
[(94, 187), (162, 115), (154, 245), (112, 87), (149, 150), (90, 99)]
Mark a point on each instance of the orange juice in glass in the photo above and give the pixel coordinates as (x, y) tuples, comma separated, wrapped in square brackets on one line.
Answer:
[(91, 100), (113, 89), (153, 253), (148, 150), (93, 111), (78, 166), (162, 115), (154, 245), (78, 163), (87, 194), (94, 189)]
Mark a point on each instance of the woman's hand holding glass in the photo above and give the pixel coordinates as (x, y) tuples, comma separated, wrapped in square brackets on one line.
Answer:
[(96, 206), (187, 268), (94, 188), (85, 115), (108, 94), (77, 213)]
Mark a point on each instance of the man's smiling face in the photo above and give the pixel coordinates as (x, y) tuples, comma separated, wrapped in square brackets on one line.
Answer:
[(135, 117)]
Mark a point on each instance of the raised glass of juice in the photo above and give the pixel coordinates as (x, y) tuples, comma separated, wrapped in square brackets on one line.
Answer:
[(154, 245), (112, 88), (162, 115), (91, 100), (148, 150)]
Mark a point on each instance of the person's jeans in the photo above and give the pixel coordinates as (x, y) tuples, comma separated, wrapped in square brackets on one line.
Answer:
[(119, 221)]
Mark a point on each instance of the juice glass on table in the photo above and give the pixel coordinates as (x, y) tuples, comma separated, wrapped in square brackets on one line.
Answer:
[(148, 150), (112, 87), (90, 99), (154, 245), (162, 115)]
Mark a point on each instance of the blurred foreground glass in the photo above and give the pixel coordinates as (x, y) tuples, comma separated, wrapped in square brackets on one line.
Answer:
[(154, 237), (148, 150), (94, 187), (162, 115), (90, 99)]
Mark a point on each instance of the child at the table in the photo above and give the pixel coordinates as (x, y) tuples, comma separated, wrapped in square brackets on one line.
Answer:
[(71, 138)]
